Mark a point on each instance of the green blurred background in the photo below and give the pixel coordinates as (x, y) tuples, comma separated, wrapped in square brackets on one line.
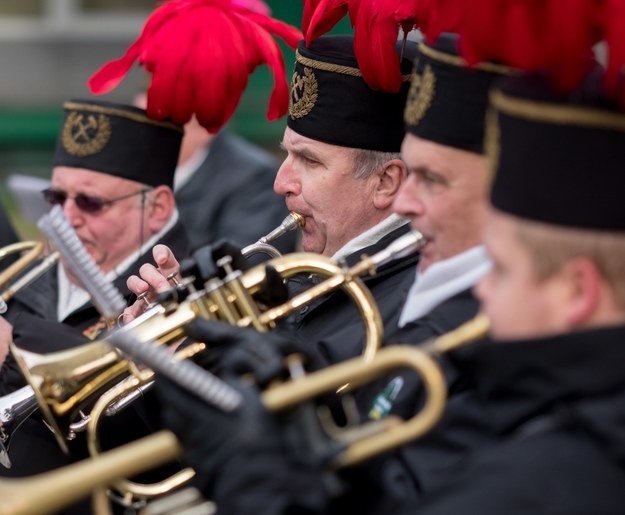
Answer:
[(49, 48)]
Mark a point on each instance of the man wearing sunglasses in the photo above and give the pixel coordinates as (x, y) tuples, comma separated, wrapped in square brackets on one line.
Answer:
[(112, 174)]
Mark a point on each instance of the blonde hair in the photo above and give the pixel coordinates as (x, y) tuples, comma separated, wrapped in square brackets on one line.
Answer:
[(550, 247)]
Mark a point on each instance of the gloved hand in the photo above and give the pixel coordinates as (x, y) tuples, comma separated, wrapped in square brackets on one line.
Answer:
[(237, 351), (203, 262), (203, 266), (241, 459)]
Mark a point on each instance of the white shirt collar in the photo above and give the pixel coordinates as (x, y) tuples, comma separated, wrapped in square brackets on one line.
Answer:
[(371, 236), (186, 170), (443, 280), (72, 296)]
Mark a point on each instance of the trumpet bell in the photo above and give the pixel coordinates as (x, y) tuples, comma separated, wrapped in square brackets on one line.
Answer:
[(64, 382)]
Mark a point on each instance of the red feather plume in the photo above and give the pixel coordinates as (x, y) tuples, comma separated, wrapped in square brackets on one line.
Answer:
[(549, 36), (200, 54), (376, 29)]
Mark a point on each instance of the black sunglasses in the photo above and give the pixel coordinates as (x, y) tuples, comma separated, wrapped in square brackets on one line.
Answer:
[(85, 203)]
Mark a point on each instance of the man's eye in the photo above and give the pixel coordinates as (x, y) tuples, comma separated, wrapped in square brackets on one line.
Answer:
[(431, 177)]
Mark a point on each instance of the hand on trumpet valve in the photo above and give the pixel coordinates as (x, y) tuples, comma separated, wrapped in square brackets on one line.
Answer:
[(204, 262), (151, 281)]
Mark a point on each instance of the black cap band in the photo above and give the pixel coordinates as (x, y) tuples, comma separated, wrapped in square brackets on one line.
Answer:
[(447, 100), (331, 102), (118, 140), (554, 161)]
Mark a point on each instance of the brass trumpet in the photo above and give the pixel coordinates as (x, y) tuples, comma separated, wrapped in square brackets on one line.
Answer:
[(53, 490), (40, 368), (67, 381), (32, 250)]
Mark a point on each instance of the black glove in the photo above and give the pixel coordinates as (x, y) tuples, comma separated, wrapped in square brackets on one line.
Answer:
[(203, 266), (241, 459), (237, 351)]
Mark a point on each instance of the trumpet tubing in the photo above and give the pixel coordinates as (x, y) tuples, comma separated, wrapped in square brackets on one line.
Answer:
[(32, 250), (52, 491), (357, 372), (119, 394), (291, 222), (66, 381)]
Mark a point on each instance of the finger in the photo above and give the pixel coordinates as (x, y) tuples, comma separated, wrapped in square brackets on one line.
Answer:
[(165, 260), (132, 312), (154, 277), (137, 285)]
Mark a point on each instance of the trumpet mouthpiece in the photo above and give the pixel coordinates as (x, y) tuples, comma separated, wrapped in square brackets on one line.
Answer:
[(291, 222)]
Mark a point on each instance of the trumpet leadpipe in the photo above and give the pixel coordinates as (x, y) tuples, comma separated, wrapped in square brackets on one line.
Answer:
[(291, 222)]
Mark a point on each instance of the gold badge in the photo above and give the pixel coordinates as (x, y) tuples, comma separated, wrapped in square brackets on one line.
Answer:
[(98, 328), (85, 134), (304, 94), (422, 90)]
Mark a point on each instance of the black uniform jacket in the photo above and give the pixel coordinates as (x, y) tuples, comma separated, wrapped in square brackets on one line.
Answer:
[(333, 322), (388, 483), (402, 476), (33, 313), (231, 196), (553, 434), (555, 410)]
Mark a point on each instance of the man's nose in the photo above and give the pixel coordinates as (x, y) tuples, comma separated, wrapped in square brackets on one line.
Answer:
[(287, 181), (72, 213), (408, 201)]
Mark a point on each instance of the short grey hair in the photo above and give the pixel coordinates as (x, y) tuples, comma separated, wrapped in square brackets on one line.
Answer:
[(367, 162)]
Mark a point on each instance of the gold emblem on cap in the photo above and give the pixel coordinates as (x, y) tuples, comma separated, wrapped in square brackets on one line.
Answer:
[(85, 134), (422, 91), (304, 93)]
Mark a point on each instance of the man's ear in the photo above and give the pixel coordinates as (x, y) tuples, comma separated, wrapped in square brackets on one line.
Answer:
[(388, 183), (160, 207), (585, 291)]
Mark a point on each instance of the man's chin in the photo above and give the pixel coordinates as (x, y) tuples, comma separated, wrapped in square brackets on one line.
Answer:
[(313, 247)]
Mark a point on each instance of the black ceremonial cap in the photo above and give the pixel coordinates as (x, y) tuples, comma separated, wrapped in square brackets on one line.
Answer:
[(118, 140), (556, 160), (331, 102), (447, 100)]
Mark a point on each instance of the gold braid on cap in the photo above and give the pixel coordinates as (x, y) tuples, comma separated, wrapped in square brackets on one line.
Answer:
[(455, 60), (543, 112), (334, 68), (112, 111)]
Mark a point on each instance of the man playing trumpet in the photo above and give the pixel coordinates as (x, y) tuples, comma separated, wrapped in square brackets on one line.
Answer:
[(112, 174), (342, 173)]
